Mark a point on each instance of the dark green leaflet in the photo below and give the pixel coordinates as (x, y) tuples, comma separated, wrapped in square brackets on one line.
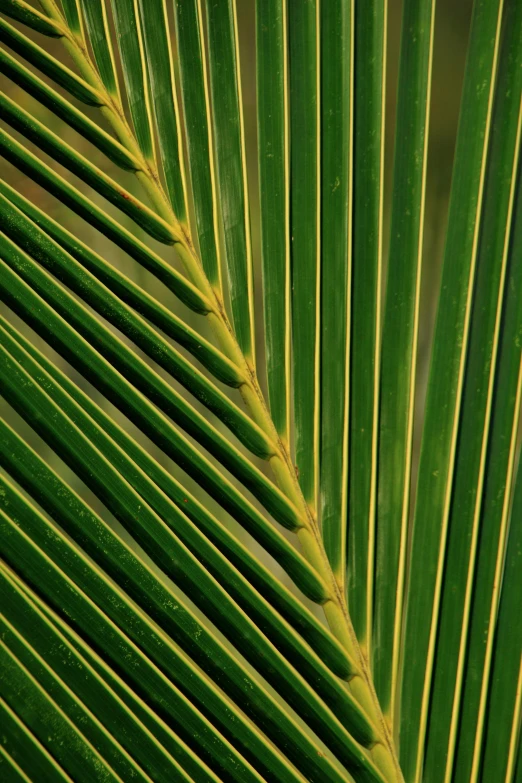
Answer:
[(24, 693), (399, 342), (303, 35), (9, 769), (26, 751), (227, 121), (156, 37), (31, 17), (172, 556), (132, 294), (69, 599), (71, 9), (46, 640), (274, 191), (45, 486), (31, 238), (155, 312), (134, 72), (336, 149), (154, 424), (79, 165), (97, 29), (502, 726), (196, 104), (369, 105)]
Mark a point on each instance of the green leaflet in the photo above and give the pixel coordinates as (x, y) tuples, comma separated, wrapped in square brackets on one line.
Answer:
[(155, 312), (65, 702), (56, 185), (337, 73), (156, 426), (232, 188), (9, 769), (502, 725), (55, 497), (151, 384), (95, 683), (170, 646), (399, 343), (172, 556), (23, 12), (499, 478), (42, 484), (146, 305), (196, 105), (160, 65), (97, 29), (130, 44), (489, 416), (366, 292), (49, 723), (73, 15), (26, 752), (69, 598), (305, 231), (51, 256), (274, 191)]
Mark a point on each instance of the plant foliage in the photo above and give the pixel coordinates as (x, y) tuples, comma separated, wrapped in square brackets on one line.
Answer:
[(225, 584)]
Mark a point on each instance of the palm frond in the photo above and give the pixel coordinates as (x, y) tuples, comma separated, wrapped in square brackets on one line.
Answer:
[(200, 583)]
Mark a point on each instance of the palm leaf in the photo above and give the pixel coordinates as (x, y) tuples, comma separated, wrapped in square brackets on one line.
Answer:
[(200, 582)]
